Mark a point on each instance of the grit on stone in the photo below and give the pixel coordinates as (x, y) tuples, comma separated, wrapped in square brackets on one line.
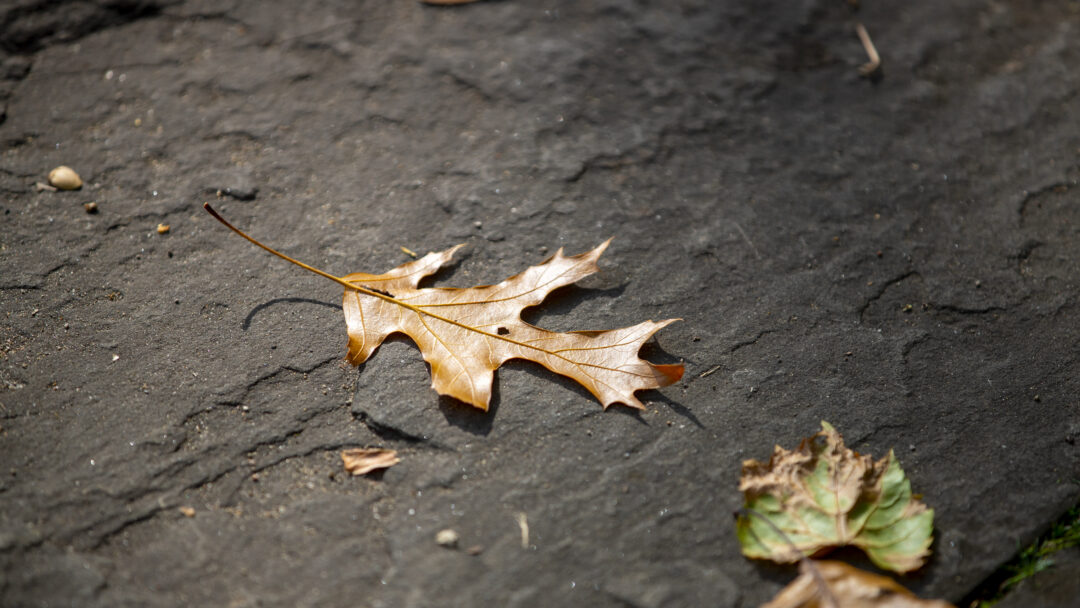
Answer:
[(896, 256)]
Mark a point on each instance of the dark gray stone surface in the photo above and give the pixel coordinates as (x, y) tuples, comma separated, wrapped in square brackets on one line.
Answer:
[(897, 258)]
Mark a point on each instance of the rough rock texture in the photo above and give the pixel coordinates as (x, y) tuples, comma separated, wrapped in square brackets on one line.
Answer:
[(899, 258)]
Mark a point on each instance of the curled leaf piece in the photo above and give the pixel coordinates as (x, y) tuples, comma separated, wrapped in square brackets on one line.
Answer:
[(828, 584), (361, 461), (823, 495)]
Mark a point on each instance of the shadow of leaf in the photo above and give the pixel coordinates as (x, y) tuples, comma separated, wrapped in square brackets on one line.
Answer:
[(261, 307)]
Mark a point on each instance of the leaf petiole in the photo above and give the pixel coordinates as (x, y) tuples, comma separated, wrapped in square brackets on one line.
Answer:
[(253, 241)]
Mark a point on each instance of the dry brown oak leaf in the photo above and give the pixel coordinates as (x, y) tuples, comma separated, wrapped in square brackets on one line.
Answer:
[(466, 334)]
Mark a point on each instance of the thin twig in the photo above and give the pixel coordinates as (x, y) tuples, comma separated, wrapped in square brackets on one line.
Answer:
[(870, 68), (710, 371), (523, 523), (746, 238)]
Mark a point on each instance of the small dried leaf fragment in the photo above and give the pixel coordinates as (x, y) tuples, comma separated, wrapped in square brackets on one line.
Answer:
[(361, 461), (845, 587), (823, 495)]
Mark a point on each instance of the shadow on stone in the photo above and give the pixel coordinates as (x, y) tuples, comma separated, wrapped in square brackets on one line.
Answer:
[(470, 419), (626, 410), (254, 311), (565, 299), (678, 408)]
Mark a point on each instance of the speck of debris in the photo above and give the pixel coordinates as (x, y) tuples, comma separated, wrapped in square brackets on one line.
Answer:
[(90, 207), (187, 511), (447, 538)]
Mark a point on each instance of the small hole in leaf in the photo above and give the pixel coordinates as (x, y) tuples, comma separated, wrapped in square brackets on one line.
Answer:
[(503, 331)]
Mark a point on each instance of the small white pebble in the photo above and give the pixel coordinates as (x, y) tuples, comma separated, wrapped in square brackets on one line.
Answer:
[(65, 178), (447, 538)]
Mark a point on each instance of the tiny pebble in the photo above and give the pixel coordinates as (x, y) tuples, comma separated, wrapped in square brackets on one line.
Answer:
[(162, 228), (65, 178), (475, 550), (187, 511), (447, 538), (90, 207)]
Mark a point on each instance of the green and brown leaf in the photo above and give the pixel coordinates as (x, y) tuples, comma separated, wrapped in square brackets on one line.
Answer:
[(823, 495)]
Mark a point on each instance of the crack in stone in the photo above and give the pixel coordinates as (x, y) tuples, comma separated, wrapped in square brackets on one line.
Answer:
[(881, 292), (964, 310), (1031, 195), (251, 386), (751, 341)]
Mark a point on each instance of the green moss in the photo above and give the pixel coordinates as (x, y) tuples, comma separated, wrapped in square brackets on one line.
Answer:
[(1063, 534)]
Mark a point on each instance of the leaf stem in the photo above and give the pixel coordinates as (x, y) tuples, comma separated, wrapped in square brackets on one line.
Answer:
[(253, 241)]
